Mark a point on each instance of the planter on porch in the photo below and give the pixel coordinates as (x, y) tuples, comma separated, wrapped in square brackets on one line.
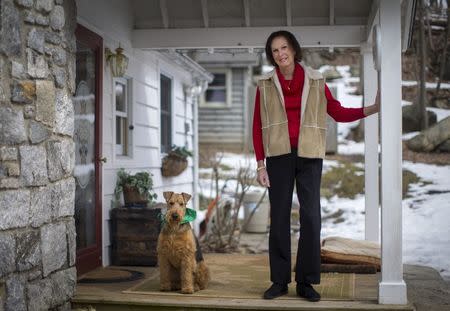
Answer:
[(134, 235), (173, 165), (175, 162), (137, 189), (132, 197)]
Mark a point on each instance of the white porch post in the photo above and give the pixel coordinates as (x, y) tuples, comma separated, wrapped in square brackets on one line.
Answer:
[(392, 288), (195, 148), (370, 83)]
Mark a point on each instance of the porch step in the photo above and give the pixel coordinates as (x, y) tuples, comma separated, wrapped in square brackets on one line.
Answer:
[(141, 303)]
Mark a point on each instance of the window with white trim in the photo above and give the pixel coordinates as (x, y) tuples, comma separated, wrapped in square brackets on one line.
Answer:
[(122, 116), (218, 93)]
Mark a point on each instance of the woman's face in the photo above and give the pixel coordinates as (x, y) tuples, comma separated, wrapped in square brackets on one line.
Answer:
[(282, 52)]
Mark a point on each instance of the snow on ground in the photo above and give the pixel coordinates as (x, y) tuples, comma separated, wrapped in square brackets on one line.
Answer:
[(428, 85), (351, 222), (426, 215), (409, 135), (441, 114)]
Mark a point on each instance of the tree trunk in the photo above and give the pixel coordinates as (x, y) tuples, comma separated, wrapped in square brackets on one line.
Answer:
[(422, 51), (444, 52), (430, 37)]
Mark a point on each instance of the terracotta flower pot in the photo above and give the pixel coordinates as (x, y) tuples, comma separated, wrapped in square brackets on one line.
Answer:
[(132, 197)]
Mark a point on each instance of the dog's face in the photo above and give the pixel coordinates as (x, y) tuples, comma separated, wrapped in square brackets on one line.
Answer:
[(176, 207)]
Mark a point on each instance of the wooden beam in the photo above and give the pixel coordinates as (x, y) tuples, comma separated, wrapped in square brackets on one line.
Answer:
[(288, 13), (164, 13), (205, 13), (331, 12), (247, 12), (245, 37), (392, 288)]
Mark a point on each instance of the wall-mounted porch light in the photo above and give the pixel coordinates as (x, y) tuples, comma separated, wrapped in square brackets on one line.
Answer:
[(197, 88), (117, 61)]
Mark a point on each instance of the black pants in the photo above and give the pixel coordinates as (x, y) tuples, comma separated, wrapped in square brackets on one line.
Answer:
[(283, 171)]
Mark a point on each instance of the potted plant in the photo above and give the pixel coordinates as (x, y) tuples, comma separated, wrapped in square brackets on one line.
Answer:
[(137, 188), (175, 162)]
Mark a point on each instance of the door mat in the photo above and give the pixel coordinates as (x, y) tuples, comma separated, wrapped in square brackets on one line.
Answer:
[(247, 276), (110, 275)]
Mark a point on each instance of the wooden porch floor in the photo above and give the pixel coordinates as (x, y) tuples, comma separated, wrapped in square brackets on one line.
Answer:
[(128, 296)]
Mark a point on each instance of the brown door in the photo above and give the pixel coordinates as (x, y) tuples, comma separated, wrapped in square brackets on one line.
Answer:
[(87, 136)]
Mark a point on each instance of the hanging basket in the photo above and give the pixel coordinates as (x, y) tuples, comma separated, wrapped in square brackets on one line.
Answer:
[(173, 165), (132, 197)]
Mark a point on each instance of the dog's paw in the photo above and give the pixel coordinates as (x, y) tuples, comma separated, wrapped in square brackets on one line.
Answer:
[(188, 290)]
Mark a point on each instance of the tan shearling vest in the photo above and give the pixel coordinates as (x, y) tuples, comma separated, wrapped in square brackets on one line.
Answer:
[(275, 133)]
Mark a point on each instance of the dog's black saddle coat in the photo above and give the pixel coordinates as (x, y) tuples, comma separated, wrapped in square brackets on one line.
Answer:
[(198, 251)]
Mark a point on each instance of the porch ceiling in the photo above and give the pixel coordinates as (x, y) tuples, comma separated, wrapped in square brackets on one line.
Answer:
[(177, 24)]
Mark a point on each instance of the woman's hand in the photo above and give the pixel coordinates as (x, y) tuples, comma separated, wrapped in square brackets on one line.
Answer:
[(369, 110), (263, 177)]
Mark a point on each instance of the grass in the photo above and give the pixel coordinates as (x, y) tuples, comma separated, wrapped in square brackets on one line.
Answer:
[(225, 167), (347, 180)]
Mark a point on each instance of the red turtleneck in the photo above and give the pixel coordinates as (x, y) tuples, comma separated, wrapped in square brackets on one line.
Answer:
[(292, 92)]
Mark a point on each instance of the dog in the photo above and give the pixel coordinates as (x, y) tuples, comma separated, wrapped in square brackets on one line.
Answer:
[(180, 259)]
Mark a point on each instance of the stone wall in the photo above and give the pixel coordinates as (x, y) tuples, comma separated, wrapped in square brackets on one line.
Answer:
[(37, 189)]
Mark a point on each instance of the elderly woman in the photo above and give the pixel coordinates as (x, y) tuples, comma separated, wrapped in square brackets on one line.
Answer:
[(289, 135)]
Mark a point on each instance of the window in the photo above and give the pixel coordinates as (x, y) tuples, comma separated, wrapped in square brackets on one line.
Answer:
[(218, 93), (166, 113), (122, 116)]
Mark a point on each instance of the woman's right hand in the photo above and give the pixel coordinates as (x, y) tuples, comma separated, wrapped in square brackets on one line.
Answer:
[(263, 177)]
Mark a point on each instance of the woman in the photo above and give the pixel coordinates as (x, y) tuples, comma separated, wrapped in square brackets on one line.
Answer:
[(289, 133)]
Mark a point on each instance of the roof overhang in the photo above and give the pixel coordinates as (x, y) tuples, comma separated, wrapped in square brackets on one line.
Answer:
[(245, 37), (232, 24)]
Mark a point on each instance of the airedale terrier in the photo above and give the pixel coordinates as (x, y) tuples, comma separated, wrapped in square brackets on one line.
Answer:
[(180, 259)]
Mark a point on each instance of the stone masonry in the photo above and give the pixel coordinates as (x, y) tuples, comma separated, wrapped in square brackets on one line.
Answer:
[(37, 188)]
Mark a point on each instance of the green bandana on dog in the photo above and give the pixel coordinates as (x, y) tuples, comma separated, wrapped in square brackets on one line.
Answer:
[(189, 216)]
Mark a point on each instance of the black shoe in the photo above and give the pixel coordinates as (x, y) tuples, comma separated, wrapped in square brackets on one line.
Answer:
[(308, 292), (276, 290)]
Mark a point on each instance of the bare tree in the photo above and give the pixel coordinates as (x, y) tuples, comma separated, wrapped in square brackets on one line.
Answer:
[(422, 102), (246, 176), (444, 52), (224, 234)]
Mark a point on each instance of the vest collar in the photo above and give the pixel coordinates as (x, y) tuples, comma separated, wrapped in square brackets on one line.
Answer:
[(309, 74)]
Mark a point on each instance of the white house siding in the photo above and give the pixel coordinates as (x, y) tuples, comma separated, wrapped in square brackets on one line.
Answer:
[(226, 126), (114, 25)]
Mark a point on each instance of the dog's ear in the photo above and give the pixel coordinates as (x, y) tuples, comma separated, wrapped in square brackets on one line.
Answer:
[(167, 195), (186, 196)]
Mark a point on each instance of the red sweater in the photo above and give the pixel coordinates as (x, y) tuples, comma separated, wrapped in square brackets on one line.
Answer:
[(292, 92)]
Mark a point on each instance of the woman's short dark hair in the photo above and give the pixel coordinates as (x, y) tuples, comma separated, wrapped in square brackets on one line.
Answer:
[(290, 39)]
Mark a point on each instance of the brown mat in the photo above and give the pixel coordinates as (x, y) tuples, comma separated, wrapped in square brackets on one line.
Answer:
[(247, 276), (110, 275), (349, 251)]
